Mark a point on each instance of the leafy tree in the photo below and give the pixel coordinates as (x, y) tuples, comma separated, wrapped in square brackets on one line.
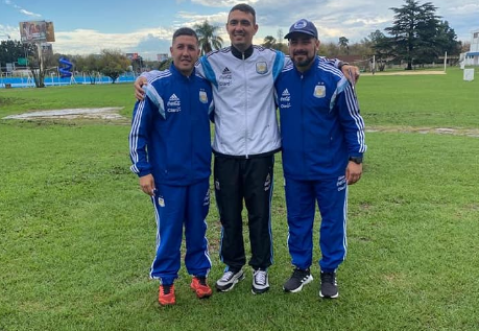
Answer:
[(269, 42), (343, 45), (418, 36), (113, 63), (382, 48), (413, 30), (38, 65), (12, 50), (208, 37), (330, 50), (90, 65), (446, 39), (361, 48), (165, 64)]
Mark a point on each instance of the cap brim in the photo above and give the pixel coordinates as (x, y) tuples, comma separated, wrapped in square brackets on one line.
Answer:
[(300, 32)]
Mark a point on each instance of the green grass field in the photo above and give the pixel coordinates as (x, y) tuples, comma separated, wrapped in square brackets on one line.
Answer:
[(77, 235)]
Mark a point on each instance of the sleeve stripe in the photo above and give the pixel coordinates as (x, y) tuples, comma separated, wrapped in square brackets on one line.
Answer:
[(153, 95), (161, 75), (330, 68), (278, 64), (209, 72), (353, 109), (135, 128)]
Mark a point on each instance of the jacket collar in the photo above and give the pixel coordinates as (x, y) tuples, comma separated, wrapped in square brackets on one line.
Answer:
[(247, 53), (177, 73)]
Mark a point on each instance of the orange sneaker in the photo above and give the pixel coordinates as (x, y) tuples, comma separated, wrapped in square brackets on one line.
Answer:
[(166, 295), (201, 288)]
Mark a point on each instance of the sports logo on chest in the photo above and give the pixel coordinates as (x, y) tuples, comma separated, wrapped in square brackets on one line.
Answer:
[(203, 97), (261, 66), (225, 78), (284, 100), (319, 90), (174, 104)]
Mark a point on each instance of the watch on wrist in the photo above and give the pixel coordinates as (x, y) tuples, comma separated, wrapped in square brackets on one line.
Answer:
[(356, 159)]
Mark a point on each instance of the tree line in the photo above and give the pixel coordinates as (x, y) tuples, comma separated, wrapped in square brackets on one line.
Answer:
[(417, 36)]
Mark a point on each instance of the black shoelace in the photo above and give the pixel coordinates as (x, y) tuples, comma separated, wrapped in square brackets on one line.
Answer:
[(328, 277)]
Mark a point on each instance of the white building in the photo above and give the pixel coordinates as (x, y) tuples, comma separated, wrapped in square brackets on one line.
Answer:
[(471, 58)]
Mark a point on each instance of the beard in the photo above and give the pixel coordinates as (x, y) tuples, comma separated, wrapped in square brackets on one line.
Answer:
[(304, 62)]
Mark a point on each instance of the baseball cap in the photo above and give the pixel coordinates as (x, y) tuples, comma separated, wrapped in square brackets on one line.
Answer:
[(303, 26)]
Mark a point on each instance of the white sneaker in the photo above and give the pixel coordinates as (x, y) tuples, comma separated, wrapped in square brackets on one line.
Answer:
[(229, 280), (260, 281)]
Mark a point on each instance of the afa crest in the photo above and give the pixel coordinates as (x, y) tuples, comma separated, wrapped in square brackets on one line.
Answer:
[(261, 67), (320, 91), (203, 97)]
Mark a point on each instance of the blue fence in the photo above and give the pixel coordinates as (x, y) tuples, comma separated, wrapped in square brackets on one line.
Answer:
[(16, 82)]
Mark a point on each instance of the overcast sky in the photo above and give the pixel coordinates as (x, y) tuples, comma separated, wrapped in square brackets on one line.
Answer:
[(146, 26)]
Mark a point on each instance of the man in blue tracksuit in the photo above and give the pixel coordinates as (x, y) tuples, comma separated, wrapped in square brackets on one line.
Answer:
[(170, 147), (323, 144)]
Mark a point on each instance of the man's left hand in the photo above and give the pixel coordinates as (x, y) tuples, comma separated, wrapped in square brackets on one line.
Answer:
[(353, 172)]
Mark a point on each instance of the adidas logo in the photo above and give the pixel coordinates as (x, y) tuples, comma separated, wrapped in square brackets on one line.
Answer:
[(174, 104), (226, 71), (174, 98), (285, 99)]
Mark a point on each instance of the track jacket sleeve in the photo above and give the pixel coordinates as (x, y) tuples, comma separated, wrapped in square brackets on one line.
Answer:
[(333, 62), (151, 76), (350, 118), (138, 139), (199, 67)]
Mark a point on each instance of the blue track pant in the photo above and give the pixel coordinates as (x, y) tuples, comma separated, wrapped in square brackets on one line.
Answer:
[(331, 196), (176, 206)]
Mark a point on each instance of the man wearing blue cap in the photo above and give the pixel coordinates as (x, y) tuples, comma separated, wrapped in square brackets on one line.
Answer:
[(323, 145)]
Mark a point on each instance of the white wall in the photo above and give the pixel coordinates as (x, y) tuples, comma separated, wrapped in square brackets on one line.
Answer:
[(475, 41)]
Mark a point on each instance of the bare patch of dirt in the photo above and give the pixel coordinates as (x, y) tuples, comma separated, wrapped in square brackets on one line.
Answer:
[(406, 73), (426, 130), (107, 113)]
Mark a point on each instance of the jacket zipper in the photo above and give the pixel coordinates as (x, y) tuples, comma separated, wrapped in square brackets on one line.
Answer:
[(245, 108), (190, 113), (303, 127)]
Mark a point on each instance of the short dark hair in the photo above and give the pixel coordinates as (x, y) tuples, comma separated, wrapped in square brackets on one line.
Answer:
[(245, 8), (184, 32)]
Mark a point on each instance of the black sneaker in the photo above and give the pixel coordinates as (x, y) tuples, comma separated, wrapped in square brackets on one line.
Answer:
[(329, 285), (260, 281), (229, 280), (298, 279)]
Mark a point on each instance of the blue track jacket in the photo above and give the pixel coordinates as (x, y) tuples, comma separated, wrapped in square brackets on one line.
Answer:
[(320, 122), (170, 133)]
